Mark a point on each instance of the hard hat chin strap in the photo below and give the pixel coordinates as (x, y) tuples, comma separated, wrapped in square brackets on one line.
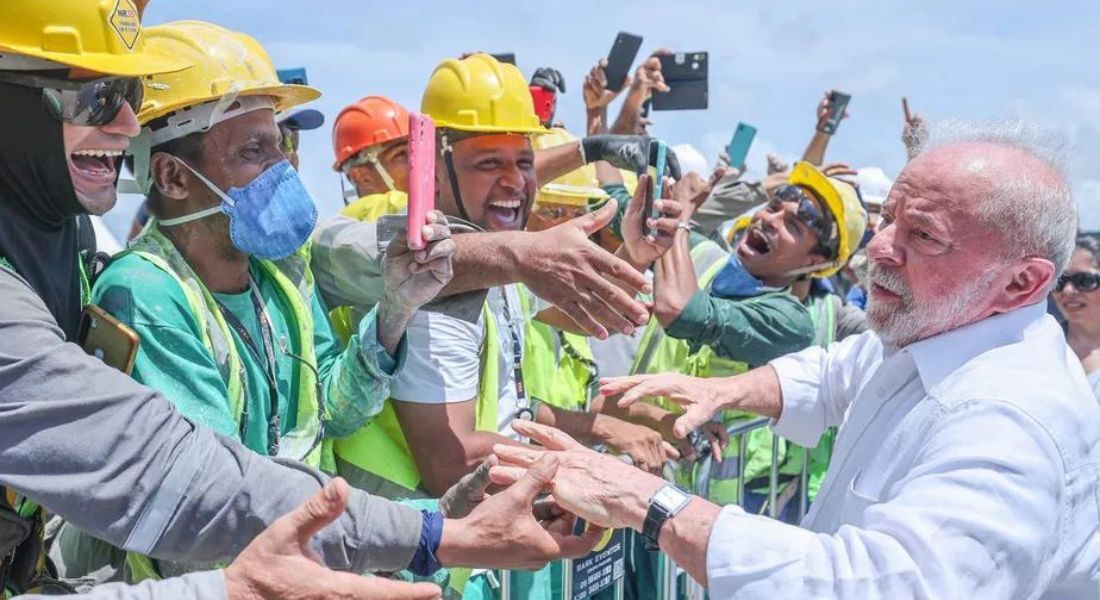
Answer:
[(452, 176)]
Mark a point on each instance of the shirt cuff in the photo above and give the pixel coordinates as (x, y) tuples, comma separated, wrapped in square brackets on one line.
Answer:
[(424, 562), (379, 362), (692, 320), (801, 420)]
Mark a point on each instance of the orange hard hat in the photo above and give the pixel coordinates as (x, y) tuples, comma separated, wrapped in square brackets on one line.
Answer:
[(370, 121)]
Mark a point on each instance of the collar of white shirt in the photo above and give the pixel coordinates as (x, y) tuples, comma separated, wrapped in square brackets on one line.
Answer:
[(941, 355)]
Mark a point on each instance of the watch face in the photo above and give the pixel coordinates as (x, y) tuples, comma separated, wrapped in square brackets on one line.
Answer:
[(670, 498)]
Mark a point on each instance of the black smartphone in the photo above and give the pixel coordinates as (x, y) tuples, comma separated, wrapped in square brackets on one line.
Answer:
[(621, 59), (686, 74), (505, 57), (838, 103)]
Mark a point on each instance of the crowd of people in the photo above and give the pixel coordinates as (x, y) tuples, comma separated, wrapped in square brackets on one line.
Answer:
[(315, 406)]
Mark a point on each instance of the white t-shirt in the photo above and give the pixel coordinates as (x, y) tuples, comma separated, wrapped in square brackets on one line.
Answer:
[(443, 359)]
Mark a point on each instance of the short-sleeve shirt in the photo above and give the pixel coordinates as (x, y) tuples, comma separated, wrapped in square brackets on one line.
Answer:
[(443, 361)]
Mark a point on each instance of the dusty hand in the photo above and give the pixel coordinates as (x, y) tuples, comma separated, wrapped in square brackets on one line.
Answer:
[(468, 493), (588, 484), (562, 266), (701, 398), (414, 277), (279, 563), (644, 446), (777, 164), (596, 94), (915, 130), (502, 532), (640, 248)]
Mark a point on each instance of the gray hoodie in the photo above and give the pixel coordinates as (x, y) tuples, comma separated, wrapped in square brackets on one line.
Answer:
[(115, 459)]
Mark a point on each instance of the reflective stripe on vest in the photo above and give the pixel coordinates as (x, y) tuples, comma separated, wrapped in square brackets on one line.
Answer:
[(379, 447)]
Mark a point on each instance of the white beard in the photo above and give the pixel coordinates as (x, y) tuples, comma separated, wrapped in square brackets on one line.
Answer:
[(915, 321)]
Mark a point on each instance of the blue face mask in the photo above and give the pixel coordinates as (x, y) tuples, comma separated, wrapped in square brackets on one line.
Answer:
[(270, 218)]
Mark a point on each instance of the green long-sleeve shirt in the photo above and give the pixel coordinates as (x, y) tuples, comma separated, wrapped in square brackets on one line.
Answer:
[(173, 359), (752, 330)]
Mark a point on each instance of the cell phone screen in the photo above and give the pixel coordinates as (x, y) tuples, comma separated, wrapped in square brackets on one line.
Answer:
[(620, 59)]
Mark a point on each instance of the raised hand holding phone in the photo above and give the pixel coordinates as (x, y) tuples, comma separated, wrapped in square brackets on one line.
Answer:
[(421, 177), (834, 109)]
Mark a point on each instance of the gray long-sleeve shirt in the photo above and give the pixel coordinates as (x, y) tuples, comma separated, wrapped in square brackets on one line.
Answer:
[(115, 459)]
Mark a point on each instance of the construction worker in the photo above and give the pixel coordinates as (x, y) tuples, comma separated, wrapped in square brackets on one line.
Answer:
[(370, 141), (721, 315), (462, 382), (218, 286)]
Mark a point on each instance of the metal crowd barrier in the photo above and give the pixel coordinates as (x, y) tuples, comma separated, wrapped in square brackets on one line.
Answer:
[(668, 576)]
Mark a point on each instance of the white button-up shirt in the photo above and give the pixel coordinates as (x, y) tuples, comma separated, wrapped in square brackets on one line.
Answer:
[(966, 467)]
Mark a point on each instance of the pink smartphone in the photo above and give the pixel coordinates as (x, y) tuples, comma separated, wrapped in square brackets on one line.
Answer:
[(421, 176)]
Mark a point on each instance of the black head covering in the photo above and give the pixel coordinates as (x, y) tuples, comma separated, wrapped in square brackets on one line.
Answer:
[(40, 233)]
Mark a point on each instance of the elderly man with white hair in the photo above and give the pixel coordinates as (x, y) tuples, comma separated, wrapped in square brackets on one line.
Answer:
[(969, 447)]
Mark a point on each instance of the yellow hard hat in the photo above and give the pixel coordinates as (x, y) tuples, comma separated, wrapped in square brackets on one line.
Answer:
[(226, 64), (480, 94), (842, 202), (103, 36), (575, 188)]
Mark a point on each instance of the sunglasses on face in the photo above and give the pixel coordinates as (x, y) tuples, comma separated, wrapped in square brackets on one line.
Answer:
[(808, 213), (91, 103), (1083, 281)]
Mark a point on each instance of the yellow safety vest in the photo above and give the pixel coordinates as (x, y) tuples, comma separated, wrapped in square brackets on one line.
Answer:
[(558, 366), (294, 281), (379, 448)]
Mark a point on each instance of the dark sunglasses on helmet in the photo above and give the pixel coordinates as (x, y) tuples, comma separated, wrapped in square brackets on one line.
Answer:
[(809, 213), (88, 103), (1083, 281)]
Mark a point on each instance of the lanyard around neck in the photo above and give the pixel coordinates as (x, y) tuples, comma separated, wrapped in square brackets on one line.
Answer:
[(266, 360)]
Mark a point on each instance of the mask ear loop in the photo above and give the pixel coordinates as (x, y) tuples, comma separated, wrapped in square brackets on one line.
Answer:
[(202, 214)]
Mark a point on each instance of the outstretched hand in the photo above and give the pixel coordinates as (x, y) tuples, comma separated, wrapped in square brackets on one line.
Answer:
[(586, 483), (564, 267), (279, 563), (700, 398), (503, 531)]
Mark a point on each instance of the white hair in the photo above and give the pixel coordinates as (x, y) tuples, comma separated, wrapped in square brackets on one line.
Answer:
[(1037, 217)]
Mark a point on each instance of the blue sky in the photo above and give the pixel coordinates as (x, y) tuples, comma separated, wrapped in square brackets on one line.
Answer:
[(769, 63)]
